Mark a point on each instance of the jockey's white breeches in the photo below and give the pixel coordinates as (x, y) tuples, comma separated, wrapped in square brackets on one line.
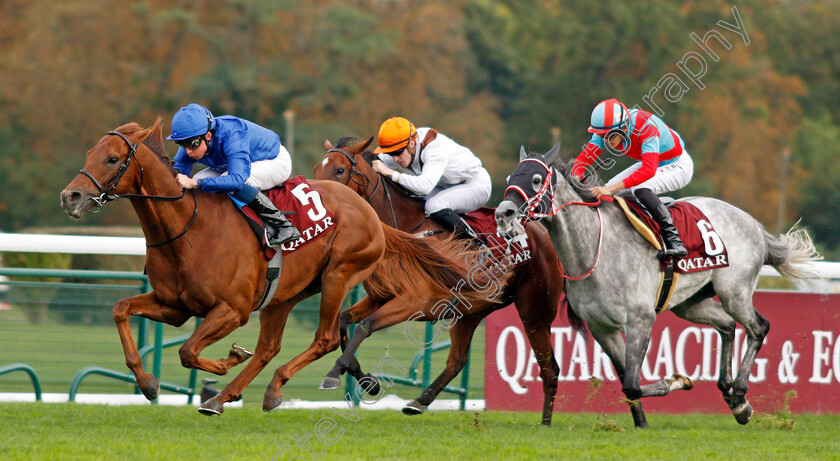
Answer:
[(265, 174), (461, 198)]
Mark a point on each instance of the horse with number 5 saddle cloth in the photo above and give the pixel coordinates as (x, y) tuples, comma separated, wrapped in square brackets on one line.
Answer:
[(616, 277), (203, 260)]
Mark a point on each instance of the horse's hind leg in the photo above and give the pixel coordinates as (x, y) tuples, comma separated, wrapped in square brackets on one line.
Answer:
[(335, 287), (612, 344), (710, 312), (460, 334), (148, 306), (756, 327)]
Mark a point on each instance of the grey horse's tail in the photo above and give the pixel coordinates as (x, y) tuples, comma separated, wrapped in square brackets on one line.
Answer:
[(791, 249)]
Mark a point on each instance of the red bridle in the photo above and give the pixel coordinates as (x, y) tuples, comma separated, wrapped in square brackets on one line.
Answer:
[(532, 203)]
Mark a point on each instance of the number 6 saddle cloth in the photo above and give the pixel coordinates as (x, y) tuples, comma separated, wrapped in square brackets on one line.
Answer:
[(706, 250), (310, 216)]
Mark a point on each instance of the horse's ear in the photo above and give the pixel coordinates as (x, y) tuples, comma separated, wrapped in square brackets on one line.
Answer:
[(551, 155), (328, 145), (522, 153), (367, 144), (154, 138)]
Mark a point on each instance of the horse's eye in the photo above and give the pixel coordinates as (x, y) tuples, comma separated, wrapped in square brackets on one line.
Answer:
[(536, 182), (113, 160), (339, 171)]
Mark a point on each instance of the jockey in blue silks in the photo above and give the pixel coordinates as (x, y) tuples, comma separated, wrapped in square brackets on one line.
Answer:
[(243, 159)]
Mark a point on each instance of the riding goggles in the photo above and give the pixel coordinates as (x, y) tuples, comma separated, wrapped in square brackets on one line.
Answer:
[(190, 143)]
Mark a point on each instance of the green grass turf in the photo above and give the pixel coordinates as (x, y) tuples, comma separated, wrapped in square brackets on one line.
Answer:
[(58, 351), (33, 431)]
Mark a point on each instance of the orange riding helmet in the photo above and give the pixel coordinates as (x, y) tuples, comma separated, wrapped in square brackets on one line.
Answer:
[(394, 134)]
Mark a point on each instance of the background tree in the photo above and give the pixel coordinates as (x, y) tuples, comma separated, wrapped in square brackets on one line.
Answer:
[(491, 74)]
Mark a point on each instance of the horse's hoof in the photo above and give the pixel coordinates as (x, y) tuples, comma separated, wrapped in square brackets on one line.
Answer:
[(330, 383), (272, 402), (240, 352), (152, 388), (370, 384), (679, 381), (412, 408), (743, 413), (211, 407)]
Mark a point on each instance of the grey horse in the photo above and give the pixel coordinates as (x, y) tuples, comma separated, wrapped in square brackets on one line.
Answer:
[(614, 275)]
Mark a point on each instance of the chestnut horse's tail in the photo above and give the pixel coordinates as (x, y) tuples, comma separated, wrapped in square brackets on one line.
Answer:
[(423, 269)]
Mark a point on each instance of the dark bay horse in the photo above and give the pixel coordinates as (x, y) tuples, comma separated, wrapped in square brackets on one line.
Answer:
[(536, 288), (203, 260), (616, 275)]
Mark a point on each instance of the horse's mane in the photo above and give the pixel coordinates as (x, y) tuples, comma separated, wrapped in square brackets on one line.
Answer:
[(346, 141), (564, 168), (153, 140)]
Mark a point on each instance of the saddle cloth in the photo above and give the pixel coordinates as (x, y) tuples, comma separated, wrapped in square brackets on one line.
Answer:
[(512, 253), (706, 249), (310, 216)]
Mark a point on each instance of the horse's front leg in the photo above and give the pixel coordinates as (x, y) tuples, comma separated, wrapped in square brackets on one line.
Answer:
[(539, 335), (347, 361), (272, 323), (460, 335), (358, 312), (637, 336), (612, 344), (146, 305), (217, 324), (710, 312)]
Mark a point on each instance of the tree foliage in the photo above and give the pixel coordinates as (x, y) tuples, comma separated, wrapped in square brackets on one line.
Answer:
[(491, 74)]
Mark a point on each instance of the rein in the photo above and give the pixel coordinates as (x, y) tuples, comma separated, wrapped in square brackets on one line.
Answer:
[(534, 201), (105, 194), (369, 196), (384, 183)]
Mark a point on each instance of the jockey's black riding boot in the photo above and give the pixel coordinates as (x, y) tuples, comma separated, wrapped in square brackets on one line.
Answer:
[(450, 220), (278, 229), (673, 245)]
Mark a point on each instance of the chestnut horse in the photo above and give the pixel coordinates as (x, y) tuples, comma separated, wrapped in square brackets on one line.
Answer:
[(203, 260), (536, 287)]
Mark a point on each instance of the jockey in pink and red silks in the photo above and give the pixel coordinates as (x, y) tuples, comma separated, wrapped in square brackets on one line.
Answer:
[(663, 163)]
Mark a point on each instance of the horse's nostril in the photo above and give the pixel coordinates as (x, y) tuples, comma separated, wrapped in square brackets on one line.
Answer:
[(70, 197)]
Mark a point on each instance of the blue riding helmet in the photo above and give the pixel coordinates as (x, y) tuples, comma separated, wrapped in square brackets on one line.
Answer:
[(190, 121)]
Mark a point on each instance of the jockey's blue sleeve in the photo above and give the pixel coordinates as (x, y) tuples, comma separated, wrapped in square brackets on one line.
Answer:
[(239, 168)]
